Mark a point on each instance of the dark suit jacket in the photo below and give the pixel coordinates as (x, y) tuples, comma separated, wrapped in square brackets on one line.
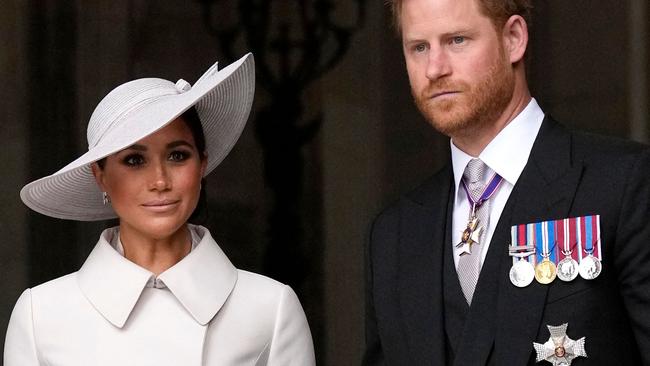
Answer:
[(567, 175)]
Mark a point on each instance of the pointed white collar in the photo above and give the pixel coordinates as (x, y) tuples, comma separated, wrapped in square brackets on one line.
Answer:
[(507, 154), (202, 281)]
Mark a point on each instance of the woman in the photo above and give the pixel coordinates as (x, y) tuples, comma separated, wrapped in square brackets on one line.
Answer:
[(155, 290)]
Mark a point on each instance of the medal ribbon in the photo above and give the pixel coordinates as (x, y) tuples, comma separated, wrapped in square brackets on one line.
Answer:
[(596, 228), (589, 244), (544, 232), (488, 191), (514, 242), (519, 246), (530, 228), (561, 238), (574, 240), (539, 241), (582, 236), (591, 229), (550, 241)]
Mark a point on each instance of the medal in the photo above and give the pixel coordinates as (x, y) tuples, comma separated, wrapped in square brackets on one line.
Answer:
[(560, 350), (473, 231), (471, 234), (522, 271), (545, 271), (567, 268), (590, 266)]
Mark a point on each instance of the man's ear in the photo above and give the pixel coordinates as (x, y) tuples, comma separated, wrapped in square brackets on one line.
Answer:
[(98, 173), (515, 38)]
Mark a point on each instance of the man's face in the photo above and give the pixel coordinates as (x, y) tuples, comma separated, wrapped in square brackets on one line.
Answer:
[(460, 75)]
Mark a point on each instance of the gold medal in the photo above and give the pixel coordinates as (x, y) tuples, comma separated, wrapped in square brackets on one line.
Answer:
[(545, 271)]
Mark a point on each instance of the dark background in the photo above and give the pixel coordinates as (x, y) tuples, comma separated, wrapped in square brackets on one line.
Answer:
[(327, 146)]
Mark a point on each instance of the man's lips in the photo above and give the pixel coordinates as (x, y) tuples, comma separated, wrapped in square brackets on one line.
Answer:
[(443, 94)]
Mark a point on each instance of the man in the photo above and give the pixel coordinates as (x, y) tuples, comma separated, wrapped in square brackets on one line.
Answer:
[(449, 265)]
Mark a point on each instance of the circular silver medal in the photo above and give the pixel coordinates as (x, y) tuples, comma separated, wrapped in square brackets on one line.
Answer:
[(567, 269), (590, 267), (522, 273)]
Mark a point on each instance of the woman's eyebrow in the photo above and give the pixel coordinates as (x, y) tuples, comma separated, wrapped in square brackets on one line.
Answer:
[(137, 147), (179, 143), (170, 145)]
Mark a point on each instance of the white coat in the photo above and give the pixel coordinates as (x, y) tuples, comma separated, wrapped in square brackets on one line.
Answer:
[(210, 313)]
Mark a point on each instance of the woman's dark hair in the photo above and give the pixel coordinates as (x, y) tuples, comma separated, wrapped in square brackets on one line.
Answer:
[(192, 120)]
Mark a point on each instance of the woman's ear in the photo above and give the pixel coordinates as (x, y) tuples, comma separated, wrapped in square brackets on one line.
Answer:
[(515, 38), (204, 164), (98, 173)]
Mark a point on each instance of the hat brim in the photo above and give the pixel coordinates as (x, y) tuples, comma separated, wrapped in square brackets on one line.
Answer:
[(223, 100)]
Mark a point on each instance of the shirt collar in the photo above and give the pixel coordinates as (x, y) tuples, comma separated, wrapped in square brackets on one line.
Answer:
[(507, 154), (202, 281)]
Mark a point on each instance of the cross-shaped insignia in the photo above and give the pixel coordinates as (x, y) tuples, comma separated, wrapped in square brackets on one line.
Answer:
[(470, 236), (560, 350)]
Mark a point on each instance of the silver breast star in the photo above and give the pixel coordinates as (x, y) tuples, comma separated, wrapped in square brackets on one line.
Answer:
[(560, 350)]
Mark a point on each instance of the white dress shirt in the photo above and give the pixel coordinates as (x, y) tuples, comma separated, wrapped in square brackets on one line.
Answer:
[(208, 313), (507, 155)]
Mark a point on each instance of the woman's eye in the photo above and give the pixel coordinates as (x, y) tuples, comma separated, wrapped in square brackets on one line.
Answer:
[(179, 156), (458, 40), (420, 48), (133, 160)]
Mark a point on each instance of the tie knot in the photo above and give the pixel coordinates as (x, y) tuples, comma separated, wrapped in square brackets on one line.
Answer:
[(474, 171)]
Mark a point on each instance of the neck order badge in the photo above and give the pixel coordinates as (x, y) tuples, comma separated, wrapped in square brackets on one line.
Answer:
[(473, 231)]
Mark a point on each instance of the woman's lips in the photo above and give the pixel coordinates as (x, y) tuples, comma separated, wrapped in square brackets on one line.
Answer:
[(160, 205)]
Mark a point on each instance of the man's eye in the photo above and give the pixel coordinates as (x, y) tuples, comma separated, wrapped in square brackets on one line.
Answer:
[(133, 160), (458, 40), (178, 156)]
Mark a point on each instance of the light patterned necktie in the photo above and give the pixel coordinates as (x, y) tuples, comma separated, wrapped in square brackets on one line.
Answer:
[(469, 264)]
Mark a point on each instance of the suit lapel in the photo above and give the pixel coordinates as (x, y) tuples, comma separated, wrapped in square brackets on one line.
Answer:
[(479, 330), (422, 235), (544, 191)]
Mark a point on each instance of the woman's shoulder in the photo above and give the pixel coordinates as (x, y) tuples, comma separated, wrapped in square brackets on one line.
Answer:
[(254, 290), (254, 284), (57, 292), (59, 287)]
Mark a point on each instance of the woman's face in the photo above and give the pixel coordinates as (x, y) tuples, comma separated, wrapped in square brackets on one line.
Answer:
[(154, 184)]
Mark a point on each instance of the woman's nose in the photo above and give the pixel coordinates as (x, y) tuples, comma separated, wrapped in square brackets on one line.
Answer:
[(160, 179)]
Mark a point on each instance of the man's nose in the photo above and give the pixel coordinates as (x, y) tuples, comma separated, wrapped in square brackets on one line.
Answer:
[(437, 65)]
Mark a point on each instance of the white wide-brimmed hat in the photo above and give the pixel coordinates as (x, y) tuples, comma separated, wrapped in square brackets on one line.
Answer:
[(135, 110)]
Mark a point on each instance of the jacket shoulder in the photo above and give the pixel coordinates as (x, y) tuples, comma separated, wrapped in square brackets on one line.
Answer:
[(595, 145), (422, 195), (54, 291)]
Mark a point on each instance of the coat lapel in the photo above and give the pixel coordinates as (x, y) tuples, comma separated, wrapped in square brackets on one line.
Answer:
[(422, 229), (479, 330), (544, 191)]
